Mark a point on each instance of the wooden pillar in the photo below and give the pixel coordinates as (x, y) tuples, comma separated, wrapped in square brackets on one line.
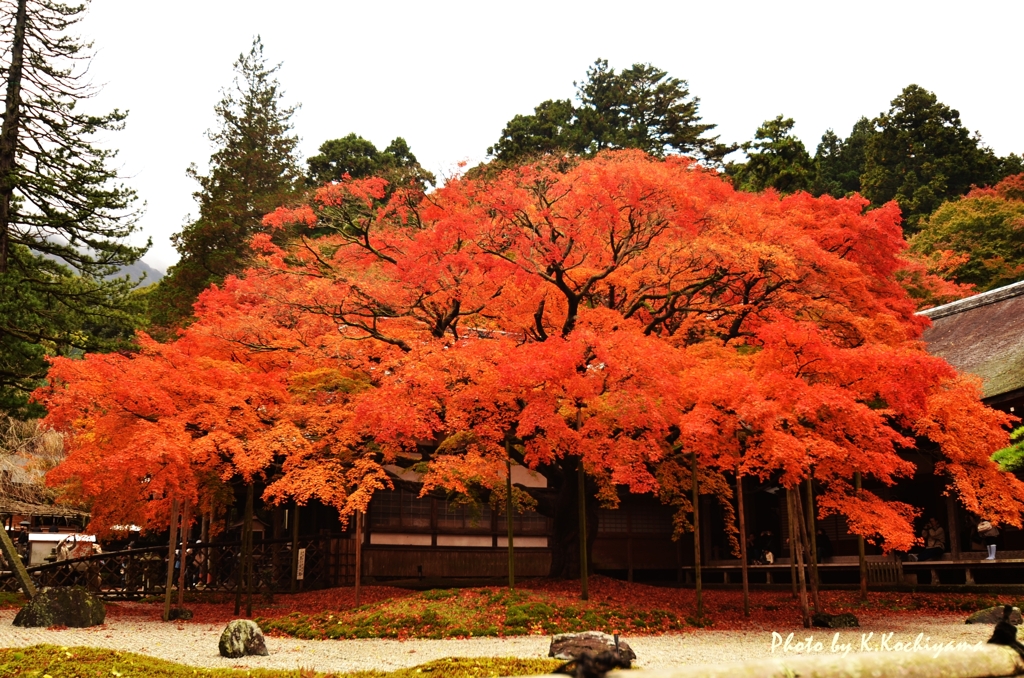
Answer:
[(795, 541), (812, 544), (792, 542), (172, 542), (743, 544), (185, 518), (250, 491), (954, 526), (581, 477), (861, 559), (696, 536), (509, 520), (359, 556), (295, 550)]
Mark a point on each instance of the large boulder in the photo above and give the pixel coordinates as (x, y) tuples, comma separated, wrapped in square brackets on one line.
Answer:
[(71, 606), (846, 620), (568, 646), (994, 615), (242, 637)]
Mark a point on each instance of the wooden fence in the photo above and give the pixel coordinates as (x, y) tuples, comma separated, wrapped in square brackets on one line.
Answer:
[(215, 567)]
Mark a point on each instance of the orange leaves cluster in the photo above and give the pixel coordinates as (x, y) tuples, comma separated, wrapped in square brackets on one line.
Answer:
[(627, 311)]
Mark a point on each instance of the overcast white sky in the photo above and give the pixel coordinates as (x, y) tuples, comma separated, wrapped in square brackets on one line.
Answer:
[(448, 75)]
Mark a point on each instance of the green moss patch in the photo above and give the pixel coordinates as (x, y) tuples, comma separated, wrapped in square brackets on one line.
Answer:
[(87, 662), (473, 612)]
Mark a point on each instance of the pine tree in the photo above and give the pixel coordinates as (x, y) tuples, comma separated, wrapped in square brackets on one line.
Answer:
[(253, 170), (60, 202), (775, 159)]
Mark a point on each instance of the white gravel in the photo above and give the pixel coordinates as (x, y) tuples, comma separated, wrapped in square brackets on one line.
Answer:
[(196, 644)]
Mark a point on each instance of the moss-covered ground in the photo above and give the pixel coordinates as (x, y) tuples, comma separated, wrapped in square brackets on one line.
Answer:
[(40, 661)]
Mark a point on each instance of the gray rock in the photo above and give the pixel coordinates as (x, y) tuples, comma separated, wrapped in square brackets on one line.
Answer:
[(568, 646), (994, 615), (70, 606), (846, 620), (242, 637), (179, 613)]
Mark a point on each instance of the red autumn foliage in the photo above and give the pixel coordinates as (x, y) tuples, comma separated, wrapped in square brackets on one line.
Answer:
[(624, 311)]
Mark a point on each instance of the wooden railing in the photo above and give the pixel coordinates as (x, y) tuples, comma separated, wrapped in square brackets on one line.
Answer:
[(213, 567)]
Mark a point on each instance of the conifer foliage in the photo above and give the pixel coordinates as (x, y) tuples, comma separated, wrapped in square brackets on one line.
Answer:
[(253, 169), (60, 201)]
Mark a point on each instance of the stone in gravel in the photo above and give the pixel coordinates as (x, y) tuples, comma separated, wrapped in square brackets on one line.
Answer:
[(567, 646), (177, 613), (846, 620), (242, 637), (70, 606), (994, 615)]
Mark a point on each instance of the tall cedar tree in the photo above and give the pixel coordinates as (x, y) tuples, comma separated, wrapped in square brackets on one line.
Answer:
[(60, 201), (640, 107), (253, 170), (921, 155), (775, 159)]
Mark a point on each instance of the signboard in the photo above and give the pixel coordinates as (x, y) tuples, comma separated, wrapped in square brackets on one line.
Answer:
[(300, 571)]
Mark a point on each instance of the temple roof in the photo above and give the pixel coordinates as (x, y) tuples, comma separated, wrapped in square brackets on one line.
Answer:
[(983, 335)]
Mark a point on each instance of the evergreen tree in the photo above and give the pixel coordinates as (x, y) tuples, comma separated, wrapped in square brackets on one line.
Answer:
[(639, 107), (359, 158), (64, 216), (838, 163), (253, 170), (922, 155), (775, 159)]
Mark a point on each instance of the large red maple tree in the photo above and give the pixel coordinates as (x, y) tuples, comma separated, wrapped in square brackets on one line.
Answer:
[(622, 313)]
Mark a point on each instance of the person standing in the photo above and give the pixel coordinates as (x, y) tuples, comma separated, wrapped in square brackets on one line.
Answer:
[(989, 534)]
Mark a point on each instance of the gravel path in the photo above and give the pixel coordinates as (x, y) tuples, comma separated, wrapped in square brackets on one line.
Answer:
[(196, 644)]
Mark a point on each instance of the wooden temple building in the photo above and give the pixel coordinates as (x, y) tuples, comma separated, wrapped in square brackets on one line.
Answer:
[(408, 537)]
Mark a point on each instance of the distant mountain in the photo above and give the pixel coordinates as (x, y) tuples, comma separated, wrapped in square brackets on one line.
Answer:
[(136, 271)]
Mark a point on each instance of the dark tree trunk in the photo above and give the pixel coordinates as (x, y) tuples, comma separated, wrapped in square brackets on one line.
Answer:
[(9, 132), (565, 544)]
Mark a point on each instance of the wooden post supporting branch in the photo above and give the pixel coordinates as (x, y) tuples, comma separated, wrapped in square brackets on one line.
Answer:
[(509, 520), (295, 550), (185, 518), (861, 559), (170, 559), (792, 542), (743, 544), (581, 477), (359, 555), (248, 550), (18, 567), (793, 496), (696, 537), (812, 548)]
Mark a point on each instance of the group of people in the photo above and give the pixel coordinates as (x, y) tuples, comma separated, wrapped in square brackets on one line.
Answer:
[(934, 537), (763, 548)]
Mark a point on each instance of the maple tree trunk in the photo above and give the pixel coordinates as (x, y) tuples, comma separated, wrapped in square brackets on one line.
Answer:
[(743, 544), (696, 537), (809, 544), (793, 497), (862, 561), (565, 542), (185, 517), (172, 542), (9, 131)]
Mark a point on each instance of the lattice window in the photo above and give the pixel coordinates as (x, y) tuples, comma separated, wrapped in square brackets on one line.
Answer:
[(650, 520), (454, 516), (386, 509), (612, 521), (529, 522)]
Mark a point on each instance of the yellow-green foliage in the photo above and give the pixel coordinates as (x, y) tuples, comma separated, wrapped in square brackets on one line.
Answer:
[(39, 661)]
